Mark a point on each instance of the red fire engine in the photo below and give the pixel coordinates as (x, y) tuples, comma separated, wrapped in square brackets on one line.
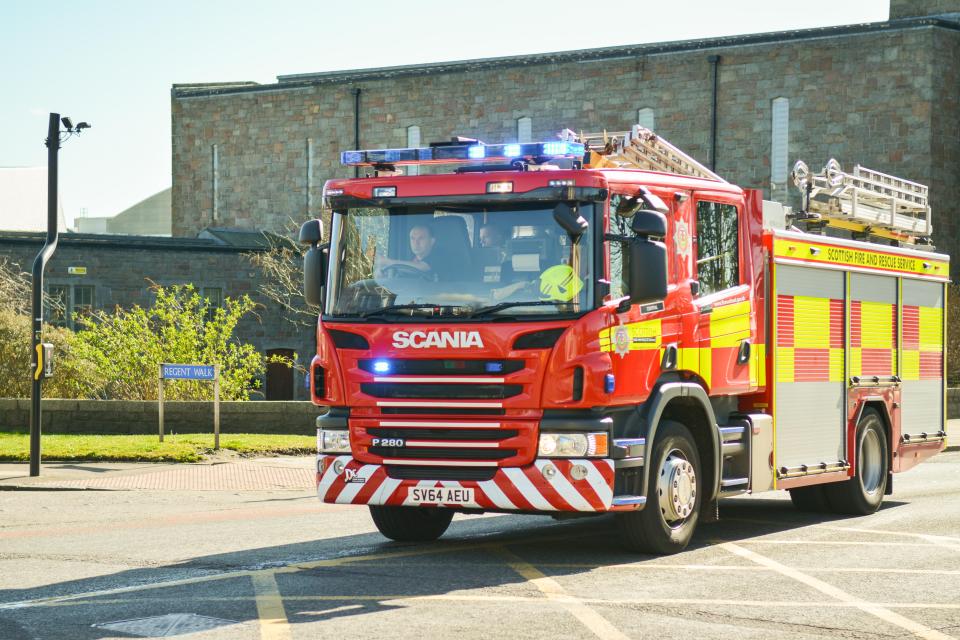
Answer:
[(601, 324)]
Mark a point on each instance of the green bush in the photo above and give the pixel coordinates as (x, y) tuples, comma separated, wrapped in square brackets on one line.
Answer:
[(76, 376), (128, 346)]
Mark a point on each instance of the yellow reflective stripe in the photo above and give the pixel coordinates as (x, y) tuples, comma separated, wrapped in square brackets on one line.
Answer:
[(784, 364), (811, 322), (836, 364), (931, 329), (876, 325), (758, 365), (696, 360), (642, 336), (730, 339), (911, 365), (856, 361), (860, 258)]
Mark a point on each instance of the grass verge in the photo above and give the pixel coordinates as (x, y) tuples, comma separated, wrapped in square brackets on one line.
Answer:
[(190, 447)]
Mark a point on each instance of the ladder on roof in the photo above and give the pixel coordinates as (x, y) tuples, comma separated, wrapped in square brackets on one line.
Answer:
[(639, 148), (866, 202)]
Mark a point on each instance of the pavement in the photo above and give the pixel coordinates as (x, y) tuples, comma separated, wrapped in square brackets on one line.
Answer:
[(238, 474)]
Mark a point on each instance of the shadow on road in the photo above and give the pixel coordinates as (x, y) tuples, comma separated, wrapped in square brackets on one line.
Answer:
[(361, 574)]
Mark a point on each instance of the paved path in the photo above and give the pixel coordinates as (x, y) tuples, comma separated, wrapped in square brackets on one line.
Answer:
[(258, 474)]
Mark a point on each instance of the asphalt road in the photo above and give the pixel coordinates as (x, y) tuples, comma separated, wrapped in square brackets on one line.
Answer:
[(278, 565)]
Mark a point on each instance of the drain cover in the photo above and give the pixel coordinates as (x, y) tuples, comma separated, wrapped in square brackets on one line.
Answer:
[(172, 624)]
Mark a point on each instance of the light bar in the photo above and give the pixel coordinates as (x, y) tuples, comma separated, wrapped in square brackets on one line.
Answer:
[(459, 153)]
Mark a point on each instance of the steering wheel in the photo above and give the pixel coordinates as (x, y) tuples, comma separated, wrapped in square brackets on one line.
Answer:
[(405, 271)]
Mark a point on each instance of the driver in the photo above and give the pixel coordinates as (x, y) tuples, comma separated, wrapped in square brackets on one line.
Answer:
[(422, 242)]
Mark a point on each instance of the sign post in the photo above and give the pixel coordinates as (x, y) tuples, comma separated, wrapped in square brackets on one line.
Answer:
[(208, 372)]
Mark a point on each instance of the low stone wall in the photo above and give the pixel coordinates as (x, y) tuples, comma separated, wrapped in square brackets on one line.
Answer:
[(130, 416), (133, 417)]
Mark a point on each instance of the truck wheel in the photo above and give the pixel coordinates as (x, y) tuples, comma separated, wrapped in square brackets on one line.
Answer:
[(411, 524), (862, 494), (810, 499), (666, 523)]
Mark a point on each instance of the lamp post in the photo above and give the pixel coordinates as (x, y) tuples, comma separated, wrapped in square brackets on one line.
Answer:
[(37, 356)]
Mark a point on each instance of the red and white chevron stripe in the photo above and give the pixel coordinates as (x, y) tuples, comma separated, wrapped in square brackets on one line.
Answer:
[(511, 489)]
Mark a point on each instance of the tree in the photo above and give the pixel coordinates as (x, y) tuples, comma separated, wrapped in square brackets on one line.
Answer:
[(281, 269)]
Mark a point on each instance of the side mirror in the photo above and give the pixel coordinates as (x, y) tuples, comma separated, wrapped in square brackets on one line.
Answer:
[(648, 270), (311, 232), (649, 223), (571, 222), (315, 263)]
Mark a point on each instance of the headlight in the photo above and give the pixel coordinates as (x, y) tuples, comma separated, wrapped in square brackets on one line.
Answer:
[(333, 441), (572, 445)]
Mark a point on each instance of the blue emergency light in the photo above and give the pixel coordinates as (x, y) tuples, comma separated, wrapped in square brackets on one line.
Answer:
[(455, 153)]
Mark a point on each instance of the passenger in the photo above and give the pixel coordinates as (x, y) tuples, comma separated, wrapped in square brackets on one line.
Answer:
[(491, 236)]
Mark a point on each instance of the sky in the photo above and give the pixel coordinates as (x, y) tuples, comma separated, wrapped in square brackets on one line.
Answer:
[(112, 63)]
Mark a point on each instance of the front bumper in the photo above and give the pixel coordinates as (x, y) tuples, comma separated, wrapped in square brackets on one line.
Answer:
[(532, 488)]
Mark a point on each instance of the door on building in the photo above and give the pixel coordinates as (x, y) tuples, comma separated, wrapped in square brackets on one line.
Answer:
[(279, 376)]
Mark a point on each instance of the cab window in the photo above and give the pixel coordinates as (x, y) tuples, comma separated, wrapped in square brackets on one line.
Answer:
[(619, 251), (718, 252)]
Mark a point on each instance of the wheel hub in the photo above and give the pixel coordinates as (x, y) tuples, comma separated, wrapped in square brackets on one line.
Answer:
[(677, 487)]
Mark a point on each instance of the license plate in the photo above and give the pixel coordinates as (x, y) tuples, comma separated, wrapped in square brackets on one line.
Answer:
[(441, 495)]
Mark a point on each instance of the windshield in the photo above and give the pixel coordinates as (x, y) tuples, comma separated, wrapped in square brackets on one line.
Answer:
[(458, 262)]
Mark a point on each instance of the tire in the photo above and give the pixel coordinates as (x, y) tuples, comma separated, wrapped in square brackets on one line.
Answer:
[(666, 523), (810, 499), (411, 524), (862, 494)]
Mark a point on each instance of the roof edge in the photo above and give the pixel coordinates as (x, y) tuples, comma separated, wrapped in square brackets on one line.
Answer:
[(292, 81)]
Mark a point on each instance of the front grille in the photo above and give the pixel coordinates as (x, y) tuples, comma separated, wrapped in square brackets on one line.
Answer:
[(445, 367), (441, 411), (442, 453), (443, 434), (444, 390), (441, 473)]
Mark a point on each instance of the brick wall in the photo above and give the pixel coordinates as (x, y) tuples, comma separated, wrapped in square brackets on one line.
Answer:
[(129, 417), (881, 95)]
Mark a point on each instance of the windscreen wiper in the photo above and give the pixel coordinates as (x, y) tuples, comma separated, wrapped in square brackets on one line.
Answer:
[(513, 303), (397, 307)]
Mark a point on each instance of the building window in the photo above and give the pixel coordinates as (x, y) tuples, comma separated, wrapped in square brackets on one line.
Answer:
[(67, 302), (82, 299), (779, 146), (645, 118), (718, 254), (214, 298), (524, 129), (59, 307), (413, 141)]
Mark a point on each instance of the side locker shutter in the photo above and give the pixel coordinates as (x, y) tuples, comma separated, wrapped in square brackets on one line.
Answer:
[(923, 375), (809, 350)]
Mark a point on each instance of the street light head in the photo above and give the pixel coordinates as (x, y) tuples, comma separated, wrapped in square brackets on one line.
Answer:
[(67, 123), (82, 126)]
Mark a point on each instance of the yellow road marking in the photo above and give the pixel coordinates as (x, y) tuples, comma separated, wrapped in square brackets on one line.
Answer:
[(879, 611), (729, 567), (549, 587), (949, 542), (270, 611)]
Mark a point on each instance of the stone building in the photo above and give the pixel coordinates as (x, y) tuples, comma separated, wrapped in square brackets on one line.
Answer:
[(105, 271), (885, 95)]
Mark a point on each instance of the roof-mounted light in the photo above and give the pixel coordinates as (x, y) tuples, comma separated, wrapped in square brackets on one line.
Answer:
[(462, 153)]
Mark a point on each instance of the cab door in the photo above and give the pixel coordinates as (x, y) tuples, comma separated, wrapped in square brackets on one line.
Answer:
[(724, 322)]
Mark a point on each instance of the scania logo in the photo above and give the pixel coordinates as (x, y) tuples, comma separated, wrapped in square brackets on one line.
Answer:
[(438, 339)]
